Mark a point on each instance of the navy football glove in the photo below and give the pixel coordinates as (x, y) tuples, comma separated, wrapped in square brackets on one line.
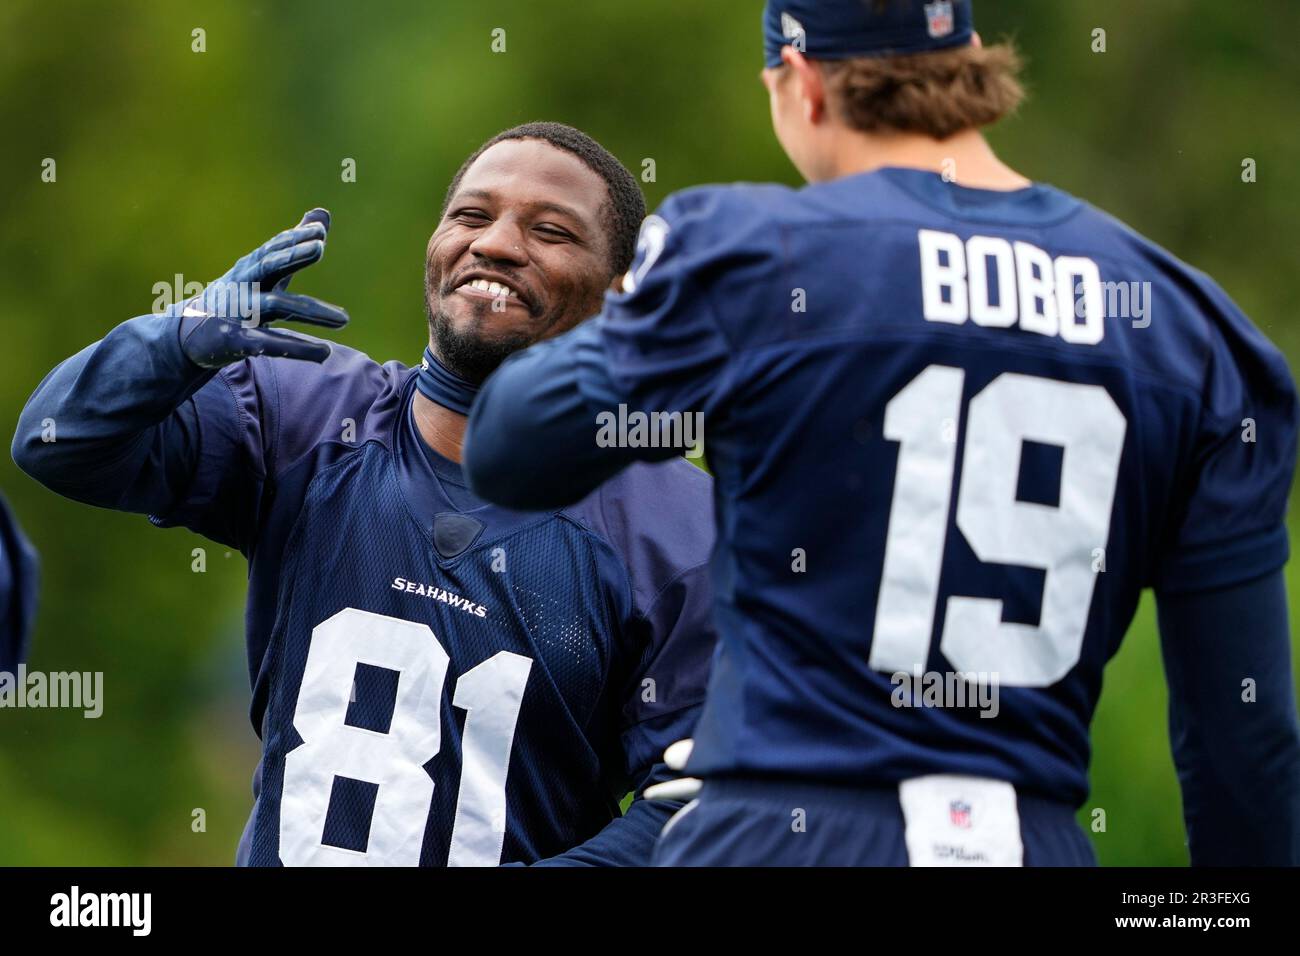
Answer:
[(224, 323)]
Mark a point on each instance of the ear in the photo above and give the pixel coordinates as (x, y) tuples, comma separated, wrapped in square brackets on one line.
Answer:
[(975, 40), (811, 88)]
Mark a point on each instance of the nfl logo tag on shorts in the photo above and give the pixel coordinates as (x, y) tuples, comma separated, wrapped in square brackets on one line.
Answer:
[(960, 821), (959, 813), (938, 17)]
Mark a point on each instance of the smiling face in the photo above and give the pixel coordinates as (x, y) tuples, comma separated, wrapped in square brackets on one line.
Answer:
[(521, 254)]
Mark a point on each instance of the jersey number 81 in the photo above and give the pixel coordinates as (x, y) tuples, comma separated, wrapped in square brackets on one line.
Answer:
[(491, 692)]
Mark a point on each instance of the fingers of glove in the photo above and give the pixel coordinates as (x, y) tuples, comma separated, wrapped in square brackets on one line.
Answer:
[(278, 266), (314, 226), (283, 345), (319, 215), (253, 267), (278, 306), (303, 232)]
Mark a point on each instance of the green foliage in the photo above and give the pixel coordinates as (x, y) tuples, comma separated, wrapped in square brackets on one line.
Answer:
[(171, 161)]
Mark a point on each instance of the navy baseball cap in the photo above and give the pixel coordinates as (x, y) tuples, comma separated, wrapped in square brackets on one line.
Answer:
[(839, 29)]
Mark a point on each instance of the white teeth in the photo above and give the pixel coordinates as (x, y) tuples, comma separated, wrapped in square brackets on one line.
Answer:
[(492, 288)]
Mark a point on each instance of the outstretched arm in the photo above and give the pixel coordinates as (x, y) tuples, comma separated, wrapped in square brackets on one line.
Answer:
[(549, 425), (110, 426), (115, 424), (531, 442)]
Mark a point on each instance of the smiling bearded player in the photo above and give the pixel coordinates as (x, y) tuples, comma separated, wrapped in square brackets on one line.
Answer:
[(435, 680)]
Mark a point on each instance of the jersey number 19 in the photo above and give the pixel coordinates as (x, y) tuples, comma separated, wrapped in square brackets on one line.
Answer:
[(1064, 540)]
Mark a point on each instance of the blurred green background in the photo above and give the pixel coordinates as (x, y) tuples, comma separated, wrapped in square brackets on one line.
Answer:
[(171, 161)]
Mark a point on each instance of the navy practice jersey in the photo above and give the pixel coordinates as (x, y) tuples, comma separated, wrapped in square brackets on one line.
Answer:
[(436, 680), (952, 431)]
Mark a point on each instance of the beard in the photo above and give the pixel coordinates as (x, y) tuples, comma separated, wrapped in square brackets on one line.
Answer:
[(469, 353)]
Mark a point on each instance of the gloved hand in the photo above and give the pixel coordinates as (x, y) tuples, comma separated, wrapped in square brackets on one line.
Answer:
[(225, 322)]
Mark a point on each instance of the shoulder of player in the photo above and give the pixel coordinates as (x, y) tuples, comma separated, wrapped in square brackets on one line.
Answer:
[(1096, 233), (657, 518), (1204, 336), (303, 404), (650, 499), (731, 196), (756, 215), (733, 213), (1204, 310)]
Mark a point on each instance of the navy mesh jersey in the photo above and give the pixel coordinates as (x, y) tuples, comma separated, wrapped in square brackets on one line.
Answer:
[(437, 680)]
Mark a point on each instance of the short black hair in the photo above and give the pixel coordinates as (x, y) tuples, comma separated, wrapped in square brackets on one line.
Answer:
[(624, 207)]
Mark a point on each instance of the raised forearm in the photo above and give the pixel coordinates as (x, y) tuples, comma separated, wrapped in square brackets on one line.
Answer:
[(103, 426)]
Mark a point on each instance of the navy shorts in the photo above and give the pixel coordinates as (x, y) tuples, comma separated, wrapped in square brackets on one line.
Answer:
[(770, 823)]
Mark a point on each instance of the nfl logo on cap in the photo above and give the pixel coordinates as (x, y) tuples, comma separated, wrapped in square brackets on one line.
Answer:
[(841, 29), (938, 16)]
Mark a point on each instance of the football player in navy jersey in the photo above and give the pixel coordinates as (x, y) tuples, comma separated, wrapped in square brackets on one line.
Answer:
[(436, 680), (947, 461)]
